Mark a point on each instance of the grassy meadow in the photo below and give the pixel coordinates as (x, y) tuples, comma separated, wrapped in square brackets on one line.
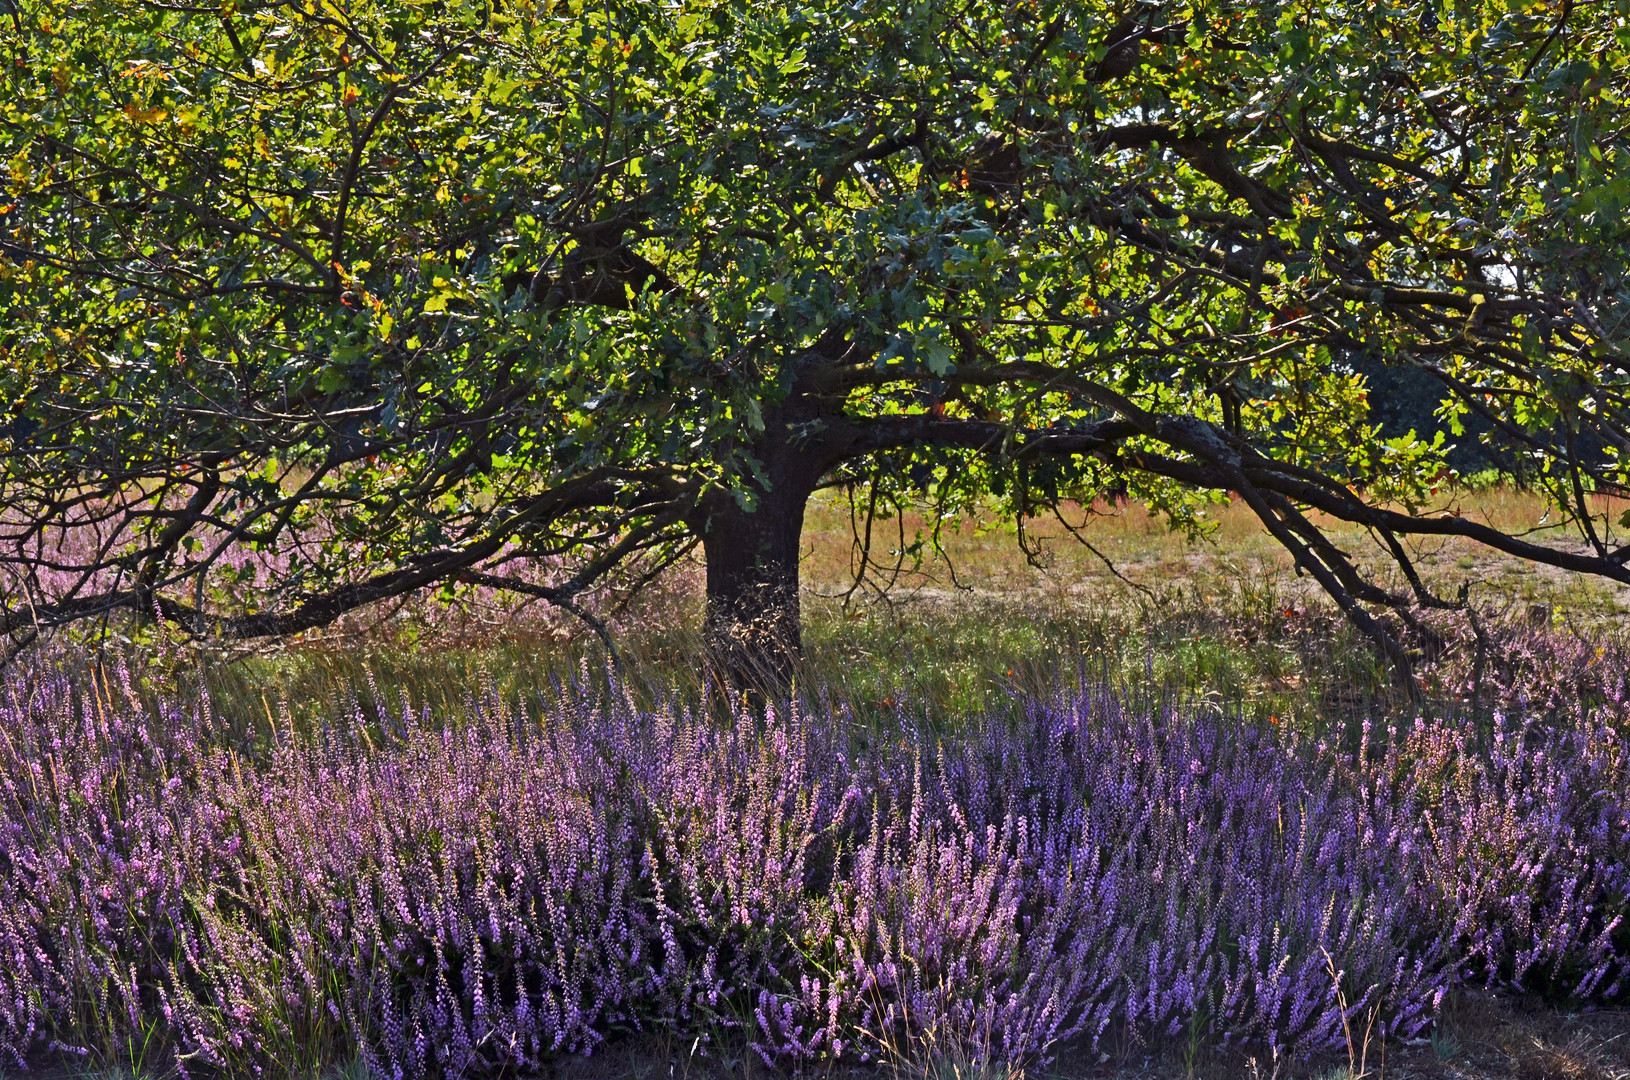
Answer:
[(1148, 808), (941, 634)]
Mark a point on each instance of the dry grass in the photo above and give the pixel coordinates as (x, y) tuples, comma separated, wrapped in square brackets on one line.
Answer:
[(981, 557), (1223, 618), (1486, 1036)]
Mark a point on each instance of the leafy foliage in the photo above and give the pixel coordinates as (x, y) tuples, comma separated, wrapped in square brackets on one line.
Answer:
[(407, 292)]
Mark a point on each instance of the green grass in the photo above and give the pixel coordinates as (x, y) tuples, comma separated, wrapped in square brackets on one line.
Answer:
[(1245, 647), (979, 627)]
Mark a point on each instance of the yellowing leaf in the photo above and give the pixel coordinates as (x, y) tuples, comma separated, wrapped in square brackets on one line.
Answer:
[(145, 116), (144, 69), (22, 174)]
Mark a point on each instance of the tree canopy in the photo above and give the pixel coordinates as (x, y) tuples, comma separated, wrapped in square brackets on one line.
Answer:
[(415, 292)]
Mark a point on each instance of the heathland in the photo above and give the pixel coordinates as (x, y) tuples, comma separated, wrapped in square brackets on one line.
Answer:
[(1146, 807)]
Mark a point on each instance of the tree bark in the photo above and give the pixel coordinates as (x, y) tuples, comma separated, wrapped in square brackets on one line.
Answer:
[(752, 629)]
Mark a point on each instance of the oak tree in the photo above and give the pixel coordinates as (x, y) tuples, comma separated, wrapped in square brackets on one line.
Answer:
[(414, 292)]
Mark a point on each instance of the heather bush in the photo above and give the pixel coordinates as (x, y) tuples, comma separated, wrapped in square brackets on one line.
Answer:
[(455, 896)]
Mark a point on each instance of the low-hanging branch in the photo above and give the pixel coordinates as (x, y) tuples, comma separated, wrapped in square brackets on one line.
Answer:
[(475, 298)]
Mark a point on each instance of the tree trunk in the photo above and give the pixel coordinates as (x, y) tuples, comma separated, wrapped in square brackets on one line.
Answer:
[(752, 630)]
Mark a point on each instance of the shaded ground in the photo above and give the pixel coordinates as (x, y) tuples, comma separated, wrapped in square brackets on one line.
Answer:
[(1481, 1037)]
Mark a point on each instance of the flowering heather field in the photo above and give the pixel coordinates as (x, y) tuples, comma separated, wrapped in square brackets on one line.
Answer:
[(455, 896)]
